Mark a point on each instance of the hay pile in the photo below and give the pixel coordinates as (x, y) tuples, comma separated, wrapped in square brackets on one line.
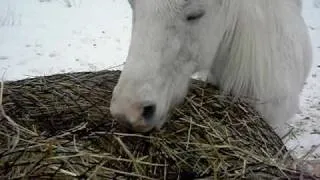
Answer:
[(59, 127)]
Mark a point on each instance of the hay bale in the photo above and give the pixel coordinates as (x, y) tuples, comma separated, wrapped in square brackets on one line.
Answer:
[(59, 127)]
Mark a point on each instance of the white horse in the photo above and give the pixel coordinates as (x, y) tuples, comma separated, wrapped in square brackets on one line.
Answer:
[(254, 48)]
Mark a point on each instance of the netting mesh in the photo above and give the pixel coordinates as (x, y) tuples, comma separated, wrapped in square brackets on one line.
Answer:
[(59, 127)]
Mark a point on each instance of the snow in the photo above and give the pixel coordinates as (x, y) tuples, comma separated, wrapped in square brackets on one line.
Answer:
[(307, 122), (44, 37), (48, 37)]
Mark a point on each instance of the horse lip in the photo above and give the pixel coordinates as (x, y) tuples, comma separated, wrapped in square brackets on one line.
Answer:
[(163, 120), (142, 128)]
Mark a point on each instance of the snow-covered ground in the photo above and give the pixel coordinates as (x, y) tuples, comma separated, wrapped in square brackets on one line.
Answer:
[(307, 122), (43, 37)]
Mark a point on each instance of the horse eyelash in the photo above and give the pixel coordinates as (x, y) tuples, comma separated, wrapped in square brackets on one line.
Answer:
[(195, 16)]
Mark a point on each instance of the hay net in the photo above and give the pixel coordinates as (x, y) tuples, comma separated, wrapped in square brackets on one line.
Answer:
[(60, 127)]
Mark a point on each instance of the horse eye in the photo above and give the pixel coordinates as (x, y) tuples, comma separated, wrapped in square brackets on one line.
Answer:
[(195, 16)]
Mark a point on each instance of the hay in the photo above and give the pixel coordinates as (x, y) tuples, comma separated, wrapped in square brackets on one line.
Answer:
[(59, 127)]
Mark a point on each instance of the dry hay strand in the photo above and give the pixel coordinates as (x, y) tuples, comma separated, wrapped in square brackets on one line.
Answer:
[(59, 127)]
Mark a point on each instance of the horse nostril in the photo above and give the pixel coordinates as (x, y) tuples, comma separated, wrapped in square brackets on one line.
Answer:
[(148, 111)]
